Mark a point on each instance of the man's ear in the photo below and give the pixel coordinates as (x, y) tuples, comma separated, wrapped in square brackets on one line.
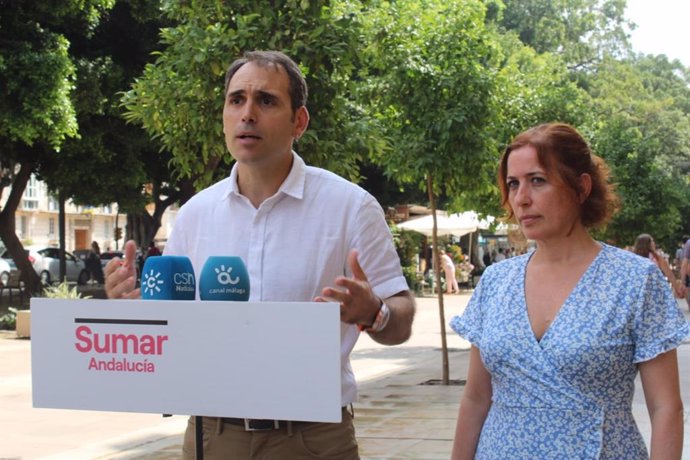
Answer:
[(301, 122)]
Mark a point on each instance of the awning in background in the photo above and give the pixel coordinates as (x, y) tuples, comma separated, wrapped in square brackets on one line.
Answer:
[(454, 224)]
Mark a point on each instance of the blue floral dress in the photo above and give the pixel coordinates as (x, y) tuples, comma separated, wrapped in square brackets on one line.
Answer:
[(569, 395)]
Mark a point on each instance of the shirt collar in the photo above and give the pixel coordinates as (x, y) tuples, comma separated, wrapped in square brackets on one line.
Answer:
[(293, 185)]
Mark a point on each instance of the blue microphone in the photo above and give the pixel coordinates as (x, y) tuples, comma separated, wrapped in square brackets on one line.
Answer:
[(224, 278), (168, 278)]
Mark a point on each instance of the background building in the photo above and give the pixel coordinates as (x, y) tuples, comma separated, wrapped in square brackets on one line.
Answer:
[(36, 221)]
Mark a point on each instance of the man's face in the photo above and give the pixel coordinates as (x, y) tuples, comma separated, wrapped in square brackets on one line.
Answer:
[(258, 121)]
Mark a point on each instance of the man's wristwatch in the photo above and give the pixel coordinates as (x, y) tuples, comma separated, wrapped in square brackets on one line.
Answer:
[(381, 321)]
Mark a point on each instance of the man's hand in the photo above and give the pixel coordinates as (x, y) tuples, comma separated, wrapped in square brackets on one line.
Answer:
[(358, 303), (121, 276)]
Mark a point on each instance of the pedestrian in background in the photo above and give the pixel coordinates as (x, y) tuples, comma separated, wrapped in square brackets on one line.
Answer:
[(449, 270), (685, 270), (93, 263), (645, 247), (558, 335), (153, 250), (678, 259), (486, 259)]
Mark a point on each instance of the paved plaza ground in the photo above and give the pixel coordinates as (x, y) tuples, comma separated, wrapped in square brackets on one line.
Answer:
[(397, 416)]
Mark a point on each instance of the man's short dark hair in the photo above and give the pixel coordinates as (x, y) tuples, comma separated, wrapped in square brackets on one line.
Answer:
[(298, 85)]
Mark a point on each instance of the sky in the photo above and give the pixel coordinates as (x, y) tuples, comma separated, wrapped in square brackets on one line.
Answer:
[(662, 27)]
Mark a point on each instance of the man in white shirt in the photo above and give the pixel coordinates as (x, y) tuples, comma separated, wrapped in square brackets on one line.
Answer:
[(304, 234)]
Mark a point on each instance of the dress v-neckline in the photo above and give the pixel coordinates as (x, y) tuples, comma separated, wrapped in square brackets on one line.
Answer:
[(547, 332)]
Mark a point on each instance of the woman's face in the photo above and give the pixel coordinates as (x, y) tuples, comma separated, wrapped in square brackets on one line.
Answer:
[(542, 204)]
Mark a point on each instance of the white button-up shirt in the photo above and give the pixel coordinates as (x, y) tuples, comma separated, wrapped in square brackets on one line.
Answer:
[(296, 242)]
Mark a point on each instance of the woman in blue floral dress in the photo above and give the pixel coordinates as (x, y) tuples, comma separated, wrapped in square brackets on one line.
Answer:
[(558, 335)]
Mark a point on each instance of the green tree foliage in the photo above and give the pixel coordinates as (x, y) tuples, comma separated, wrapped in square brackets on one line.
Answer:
[(582, 32), (532, 88), (649, 189), (635, 109), (36, 110), (536, 88), (431, 85), (431, 89), (90, 168), (179, 98), (407, 245), (643, 131)]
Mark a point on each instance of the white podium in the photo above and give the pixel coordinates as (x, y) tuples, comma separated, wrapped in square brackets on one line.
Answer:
[(264, 360)]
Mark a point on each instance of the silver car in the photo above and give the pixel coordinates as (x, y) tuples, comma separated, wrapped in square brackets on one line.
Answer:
[(46, 262), (4, 271)]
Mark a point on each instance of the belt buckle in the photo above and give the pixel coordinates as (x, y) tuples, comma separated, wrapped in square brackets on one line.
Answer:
[(248, 427)]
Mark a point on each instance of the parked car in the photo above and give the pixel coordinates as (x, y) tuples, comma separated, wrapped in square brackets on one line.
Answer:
[(4, 271), (6, 259), (81, 254), (47, 264), (106, 256)]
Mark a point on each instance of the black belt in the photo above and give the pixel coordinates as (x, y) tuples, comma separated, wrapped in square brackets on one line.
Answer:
[(251, 424)]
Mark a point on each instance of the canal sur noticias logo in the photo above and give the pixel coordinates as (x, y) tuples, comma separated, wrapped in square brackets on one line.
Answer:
[(119, 352), (152, 282)]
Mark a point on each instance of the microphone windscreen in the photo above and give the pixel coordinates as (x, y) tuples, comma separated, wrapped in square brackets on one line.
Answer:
[(224, 278), (168, 278)]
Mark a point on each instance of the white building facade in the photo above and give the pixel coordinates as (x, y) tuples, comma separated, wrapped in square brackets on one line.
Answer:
[(37, 221)]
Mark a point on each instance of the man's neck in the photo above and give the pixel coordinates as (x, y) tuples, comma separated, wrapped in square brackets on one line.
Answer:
[(259, 182)]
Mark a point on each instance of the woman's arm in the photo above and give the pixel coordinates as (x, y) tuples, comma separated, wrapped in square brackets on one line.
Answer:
[(676, 285), (475, 404), (662, 393)]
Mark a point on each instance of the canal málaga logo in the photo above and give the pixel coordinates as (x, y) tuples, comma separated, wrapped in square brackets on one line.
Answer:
[(224, 275), (151, 283)]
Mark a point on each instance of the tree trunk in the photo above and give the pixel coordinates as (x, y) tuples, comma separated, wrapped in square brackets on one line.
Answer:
[(142, 226), (8, 232), (62, 234), (474, 249), (187, 190), (437, 274), (117, 225)]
